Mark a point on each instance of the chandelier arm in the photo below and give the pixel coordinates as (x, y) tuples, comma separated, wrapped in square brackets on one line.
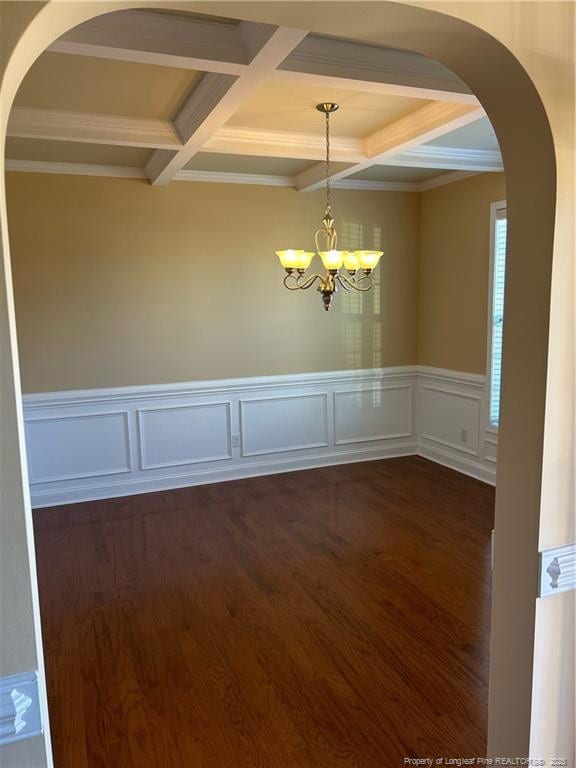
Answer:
[(297, 285), (354, 284)]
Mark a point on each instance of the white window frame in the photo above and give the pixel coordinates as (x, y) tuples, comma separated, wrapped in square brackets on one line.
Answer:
[(495, 208)]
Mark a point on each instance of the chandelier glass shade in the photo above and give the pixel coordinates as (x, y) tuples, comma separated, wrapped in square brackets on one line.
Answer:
[(358, 265)]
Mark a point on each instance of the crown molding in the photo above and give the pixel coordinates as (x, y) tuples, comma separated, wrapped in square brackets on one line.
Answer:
[(117, 130), (92, 128), (270, 143), (368, 185), (127, 172), (75, 169), (447, 158), (235, 178), (445, 178)]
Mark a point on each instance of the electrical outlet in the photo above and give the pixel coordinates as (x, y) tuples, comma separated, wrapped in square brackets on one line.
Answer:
[(235, 441), (464, 435)]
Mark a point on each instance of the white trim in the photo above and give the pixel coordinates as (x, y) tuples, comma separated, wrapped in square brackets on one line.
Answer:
[(127, 172), (209, 46), (92, 128), (245, 402), (476, 398), (236, 394), (499, 205), (376, 438), (20, 709), (423, 125), (476, 380), (217, 386), (447, 158), (153, 38), (47, 498), (75, 169), (376, 186), (445, 178), (459, 463), (239, 140), (563, 560), (323, 61), (141, 429), (478, 461), (345, 81), (83, 475), (234, 178), (216, 97)]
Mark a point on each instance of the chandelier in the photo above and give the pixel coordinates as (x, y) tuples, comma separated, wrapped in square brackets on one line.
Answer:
[(358, 264)]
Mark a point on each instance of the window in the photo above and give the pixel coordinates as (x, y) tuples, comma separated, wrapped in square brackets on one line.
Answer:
[(496, 306)]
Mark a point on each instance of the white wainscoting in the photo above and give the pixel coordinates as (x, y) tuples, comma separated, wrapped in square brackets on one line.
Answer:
[(452, 416), (94, 444), (279, 424)]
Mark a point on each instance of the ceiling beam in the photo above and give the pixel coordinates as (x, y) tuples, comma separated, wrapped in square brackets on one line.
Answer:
[(216, 97), (86, 127), (222, 177), (446, 158), (61, 125), (127, 172), (422, 125), (378, 88), (154, 38), (359, 66), (75, 169), (237, 140), (214, 46)]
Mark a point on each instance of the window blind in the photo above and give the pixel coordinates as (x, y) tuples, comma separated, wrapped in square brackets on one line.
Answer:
[(498, 278)]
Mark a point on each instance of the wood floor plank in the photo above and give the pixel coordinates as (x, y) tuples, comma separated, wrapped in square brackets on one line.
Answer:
[(332, 618)]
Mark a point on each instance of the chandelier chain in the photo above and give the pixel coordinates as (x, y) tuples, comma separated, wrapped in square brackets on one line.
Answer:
[(328, 190)]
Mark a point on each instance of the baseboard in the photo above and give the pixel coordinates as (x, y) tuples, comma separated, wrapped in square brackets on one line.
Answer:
[(133, 487), (95, 444), (467, 466)]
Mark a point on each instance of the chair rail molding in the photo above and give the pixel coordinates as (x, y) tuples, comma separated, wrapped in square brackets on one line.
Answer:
[(92, 444)]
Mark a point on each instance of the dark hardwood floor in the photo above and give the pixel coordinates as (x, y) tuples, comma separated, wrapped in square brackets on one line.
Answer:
[(334, 617)]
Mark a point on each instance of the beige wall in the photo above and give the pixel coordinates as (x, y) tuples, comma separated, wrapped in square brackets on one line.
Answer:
[(164, 287), (454, 272), (121, 283)]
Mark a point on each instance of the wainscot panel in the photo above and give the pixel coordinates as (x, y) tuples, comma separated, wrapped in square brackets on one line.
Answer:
[(377, 413), (72, 446), (176, 435), (94, 444), (452, 415)]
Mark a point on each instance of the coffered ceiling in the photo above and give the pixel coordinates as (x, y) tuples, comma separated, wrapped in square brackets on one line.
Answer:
[(174, 96)]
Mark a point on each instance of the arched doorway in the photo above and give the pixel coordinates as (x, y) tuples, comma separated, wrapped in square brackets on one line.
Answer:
[(450, 40)]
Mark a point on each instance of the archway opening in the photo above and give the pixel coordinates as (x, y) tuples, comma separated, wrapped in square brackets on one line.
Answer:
[(492, 98)]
